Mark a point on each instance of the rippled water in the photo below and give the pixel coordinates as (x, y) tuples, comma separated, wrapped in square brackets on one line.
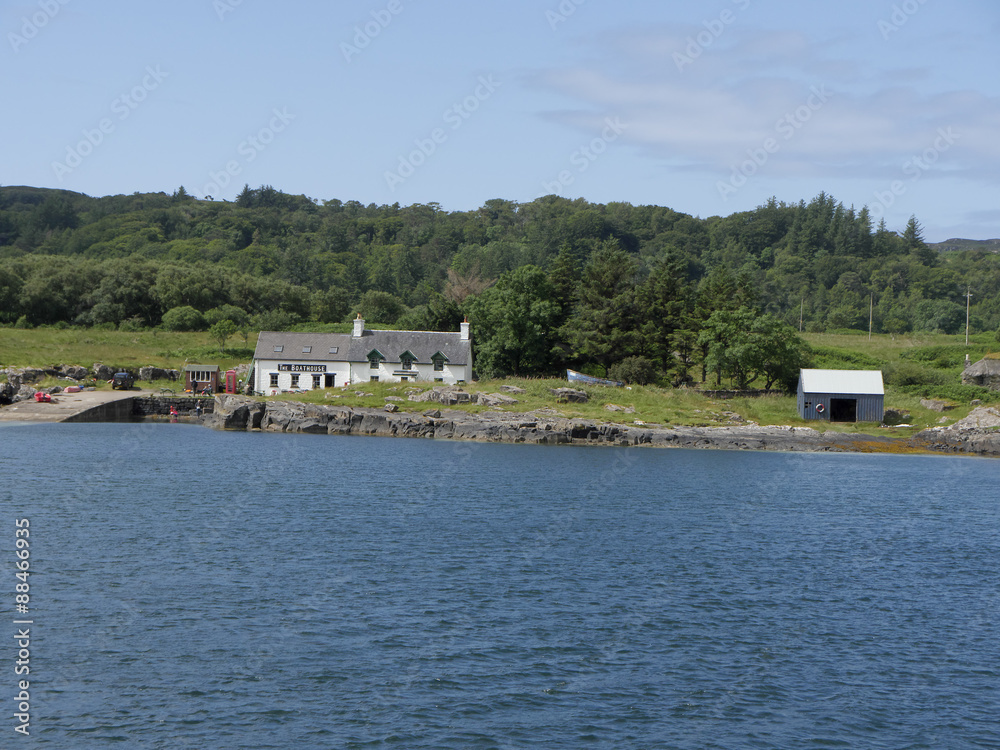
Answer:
[(228, 590)]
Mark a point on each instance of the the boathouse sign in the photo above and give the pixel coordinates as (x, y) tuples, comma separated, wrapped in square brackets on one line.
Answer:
[(302, 368)]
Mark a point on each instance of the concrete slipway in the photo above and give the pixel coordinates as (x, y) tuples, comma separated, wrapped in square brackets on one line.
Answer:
[(85, 406)]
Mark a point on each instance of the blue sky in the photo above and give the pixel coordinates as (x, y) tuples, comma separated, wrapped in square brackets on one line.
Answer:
[(708, 108)]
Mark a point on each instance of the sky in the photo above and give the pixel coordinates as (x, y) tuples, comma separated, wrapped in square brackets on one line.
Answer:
[(708, 108)]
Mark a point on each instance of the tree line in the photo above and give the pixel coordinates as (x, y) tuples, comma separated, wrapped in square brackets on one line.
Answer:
[(548, 284)]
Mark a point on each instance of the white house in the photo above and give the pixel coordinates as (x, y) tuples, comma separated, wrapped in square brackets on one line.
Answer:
[(285, 361)]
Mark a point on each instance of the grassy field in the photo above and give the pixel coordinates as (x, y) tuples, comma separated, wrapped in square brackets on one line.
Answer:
[(45, 347), (914, 366)]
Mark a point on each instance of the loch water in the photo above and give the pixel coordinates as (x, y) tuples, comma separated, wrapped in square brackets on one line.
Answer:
[(200, 589)]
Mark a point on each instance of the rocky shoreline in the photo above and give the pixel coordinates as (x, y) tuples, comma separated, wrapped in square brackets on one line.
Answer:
[(977, 435)]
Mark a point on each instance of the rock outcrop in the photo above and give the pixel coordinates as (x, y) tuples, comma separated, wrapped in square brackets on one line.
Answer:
[(978, 433), (243, 413), (73, 372), (569, 395), (158, 373), (936, 404), (233, 412)]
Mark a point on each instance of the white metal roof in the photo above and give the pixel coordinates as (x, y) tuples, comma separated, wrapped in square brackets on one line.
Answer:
[(866, 382)]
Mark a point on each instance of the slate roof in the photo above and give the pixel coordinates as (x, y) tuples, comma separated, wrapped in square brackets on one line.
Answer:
[(985, 366), (858, 382), (422, 344)]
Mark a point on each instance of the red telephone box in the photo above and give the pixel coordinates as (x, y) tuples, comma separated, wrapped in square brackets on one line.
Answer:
[(230, 381)]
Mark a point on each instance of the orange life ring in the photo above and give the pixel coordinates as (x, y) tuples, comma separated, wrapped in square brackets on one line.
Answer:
[(820, 408)]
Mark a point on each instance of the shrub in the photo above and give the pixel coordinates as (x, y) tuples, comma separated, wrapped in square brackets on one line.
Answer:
[(942, 356), (22, 322), (131, 325), (380, 307), (274, 320), (184, 318), (634, 370), (226, 312), (830, 358), (903, 373)]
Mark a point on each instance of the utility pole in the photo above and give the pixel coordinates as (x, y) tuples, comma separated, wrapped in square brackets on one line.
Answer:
[(871, 309), (968, 297)]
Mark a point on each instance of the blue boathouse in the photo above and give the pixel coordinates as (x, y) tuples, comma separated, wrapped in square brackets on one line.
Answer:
[(841, 395)]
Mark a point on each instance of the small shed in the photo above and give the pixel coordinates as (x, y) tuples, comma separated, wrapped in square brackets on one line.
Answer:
[(985, 373), (200, 377), (841, 395)]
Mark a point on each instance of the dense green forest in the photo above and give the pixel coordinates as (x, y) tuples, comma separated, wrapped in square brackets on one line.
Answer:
[(643, 292)]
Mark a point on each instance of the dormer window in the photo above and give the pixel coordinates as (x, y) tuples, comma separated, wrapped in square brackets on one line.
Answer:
[(439, 359), (375, 359), (407, 359)]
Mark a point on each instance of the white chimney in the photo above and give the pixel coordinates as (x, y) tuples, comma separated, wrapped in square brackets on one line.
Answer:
[(465, 330), (359, 327)]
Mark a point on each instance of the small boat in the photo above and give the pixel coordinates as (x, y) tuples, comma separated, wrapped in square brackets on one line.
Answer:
[(578, 377)]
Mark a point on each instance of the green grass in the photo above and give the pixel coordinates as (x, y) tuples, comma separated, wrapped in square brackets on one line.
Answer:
[(915, 366), (46, 347)]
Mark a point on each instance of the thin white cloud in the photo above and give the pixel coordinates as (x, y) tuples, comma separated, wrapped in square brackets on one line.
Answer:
[(708, 106)]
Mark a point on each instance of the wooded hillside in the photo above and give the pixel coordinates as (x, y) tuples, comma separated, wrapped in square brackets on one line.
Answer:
[(547, 284)]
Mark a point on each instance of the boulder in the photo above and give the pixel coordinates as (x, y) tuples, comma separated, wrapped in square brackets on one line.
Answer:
[(25, 375), (13, 379), (891, 417), (24, 393), (980, 418), (75, 372), (512, 389), (433, 413), (494, 399), (102, 372), (448, 395), (623, 409), (157, 373), (571, 395), (391, 408), (936, 405), (232, 412)]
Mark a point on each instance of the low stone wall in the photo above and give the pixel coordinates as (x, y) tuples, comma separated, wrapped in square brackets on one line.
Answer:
[(153, 406), (110, 411)]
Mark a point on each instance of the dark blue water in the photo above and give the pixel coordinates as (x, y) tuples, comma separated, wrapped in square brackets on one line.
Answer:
[(200, 589)]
